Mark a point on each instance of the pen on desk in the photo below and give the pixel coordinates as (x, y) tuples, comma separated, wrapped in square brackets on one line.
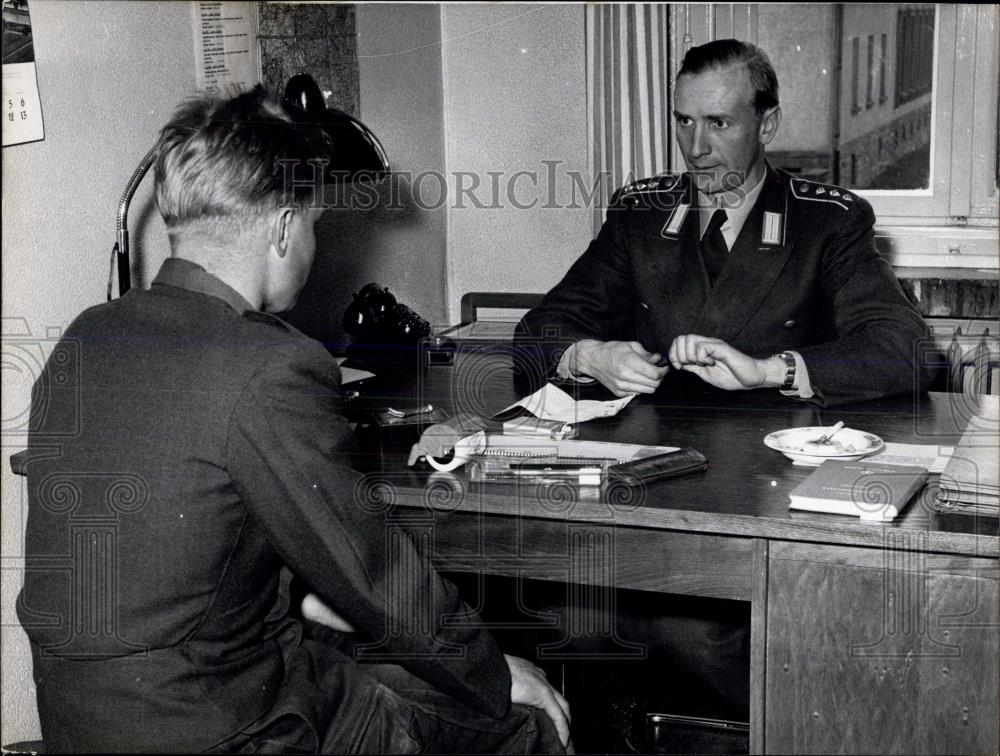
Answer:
[(553, 466)]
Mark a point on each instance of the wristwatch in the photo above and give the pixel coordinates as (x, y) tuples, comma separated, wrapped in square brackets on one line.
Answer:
[(789, 359)]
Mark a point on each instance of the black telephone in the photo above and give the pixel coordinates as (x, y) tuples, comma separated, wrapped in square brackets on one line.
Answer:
[(377, 321)]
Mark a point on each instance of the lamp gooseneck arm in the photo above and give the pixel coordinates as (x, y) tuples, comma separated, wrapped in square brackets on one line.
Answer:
[(121, 226)]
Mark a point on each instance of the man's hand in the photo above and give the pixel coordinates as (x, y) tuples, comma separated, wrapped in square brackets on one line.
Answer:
[(529, 686), (625, 367), (719, 364)]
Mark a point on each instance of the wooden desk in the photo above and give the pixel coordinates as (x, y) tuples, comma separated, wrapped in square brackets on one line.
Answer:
[(865, 637)]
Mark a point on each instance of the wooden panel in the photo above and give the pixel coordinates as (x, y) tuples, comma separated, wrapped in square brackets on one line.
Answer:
[(575, 552), (897, 554), (892, 656), (758, 647)]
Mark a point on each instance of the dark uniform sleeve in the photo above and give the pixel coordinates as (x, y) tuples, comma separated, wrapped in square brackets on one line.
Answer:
[(286, 455), (592, 301), (876, 352)]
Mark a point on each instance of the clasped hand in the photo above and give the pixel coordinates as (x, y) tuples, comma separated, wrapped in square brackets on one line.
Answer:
[(717, 363), (626, 367)]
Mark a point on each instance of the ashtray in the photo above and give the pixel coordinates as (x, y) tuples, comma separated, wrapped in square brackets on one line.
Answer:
[(801, 445)]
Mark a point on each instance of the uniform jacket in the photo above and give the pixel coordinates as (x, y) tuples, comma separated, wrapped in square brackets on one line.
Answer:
[(803, 275), (182, 454)]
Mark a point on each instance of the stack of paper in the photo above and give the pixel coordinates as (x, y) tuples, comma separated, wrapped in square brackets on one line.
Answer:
[(969, 482)]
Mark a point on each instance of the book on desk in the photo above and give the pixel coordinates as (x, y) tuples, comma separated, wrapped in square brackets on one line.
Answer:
[(863, 489)]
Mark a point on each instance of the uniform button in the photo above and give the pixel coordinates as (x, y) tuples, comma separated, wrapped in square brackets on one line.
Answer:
[(644, 306), (789, 324)]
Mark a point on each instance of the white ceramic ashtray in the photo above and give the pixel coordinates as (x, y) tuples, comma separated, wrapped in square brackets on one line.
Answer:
[(803, 445)]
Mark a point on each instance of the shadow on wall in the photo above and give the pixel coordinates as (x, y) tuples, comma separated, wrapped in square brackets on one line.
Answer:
[(352, 244)]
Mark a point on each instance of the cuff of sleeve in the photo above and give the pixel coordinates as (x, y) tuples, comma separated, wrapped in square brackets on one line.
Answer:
[(565, 367), (801, 387)]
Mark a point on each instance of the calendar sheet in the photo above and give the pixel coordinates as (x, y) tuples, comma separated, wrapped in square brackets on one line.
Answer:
[(22, 110)]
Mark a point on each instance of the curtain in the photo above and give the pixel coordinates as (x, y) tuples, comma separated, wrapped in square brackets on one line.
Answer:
[(628, 84)]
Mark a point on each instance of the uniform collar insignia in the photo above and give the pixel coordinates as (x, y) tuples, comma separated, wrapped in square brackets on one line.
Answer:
[(772, 230), (672, 227)]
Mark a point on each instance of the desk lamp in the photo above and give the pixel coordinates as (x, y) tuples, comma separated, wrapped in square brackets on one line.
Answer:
[(356, 152)]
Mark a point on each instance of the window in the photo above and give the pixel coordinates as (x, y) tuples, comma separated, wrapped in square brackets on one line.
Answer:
[(938, 62), (914, 54), (855, 108), (870, 78), (882, 63)]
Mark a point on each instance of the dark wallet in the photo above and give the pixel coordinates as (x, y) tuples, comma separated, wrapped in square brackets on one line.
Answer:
[(658, 467)]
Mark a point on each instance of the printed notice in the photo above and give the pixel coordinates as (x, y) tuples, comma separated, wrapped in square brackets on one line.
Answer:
[(225, 46), (22, 109)]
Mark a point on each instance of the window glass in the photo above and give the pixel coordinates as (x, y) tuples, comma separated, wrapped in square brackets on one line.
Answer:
[(835, 129)]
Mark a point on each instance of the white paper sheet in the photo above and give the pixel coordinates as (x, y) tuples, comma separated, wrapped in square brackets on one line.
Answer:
[(226, 57), (931, 456), (349, 374), (552, 403), (22, 109), (22, 119)]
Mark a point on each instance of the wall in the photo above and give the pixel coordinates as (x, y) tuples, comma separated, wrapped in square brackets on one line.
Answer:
[(799, 41), (102, 103), (395, 243), (504, 111), (515, 95)]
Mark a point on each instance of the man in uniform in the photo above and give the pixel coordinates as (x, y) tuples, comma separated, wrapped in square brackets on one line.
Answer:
[(209, 463), (734, 271)]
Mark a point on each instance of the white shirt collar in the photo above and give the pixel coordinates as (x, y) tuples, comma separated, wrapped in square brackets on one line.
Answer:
[(737, 211)]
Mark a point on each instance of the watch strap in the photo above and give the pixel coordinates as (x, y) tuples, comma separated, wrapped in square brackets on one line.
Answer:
[(789, 360)]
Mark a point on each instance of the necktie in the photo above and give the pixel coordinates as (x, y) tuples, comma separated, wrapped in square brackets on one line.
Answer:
[(713, 245)]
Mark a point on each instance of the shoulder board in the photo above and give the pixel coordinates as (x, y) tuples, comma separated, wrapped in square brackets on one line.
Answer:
[(816, 192), (662, 183), (256, 316)]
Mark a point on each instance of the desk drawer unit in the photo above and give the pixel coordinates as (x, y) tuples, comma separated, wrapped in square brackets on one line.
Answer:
[(892, 651)]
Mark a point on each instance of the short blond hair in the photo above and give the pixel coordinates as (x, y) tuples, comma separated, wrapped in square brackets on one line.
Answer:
[(229, 162)]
